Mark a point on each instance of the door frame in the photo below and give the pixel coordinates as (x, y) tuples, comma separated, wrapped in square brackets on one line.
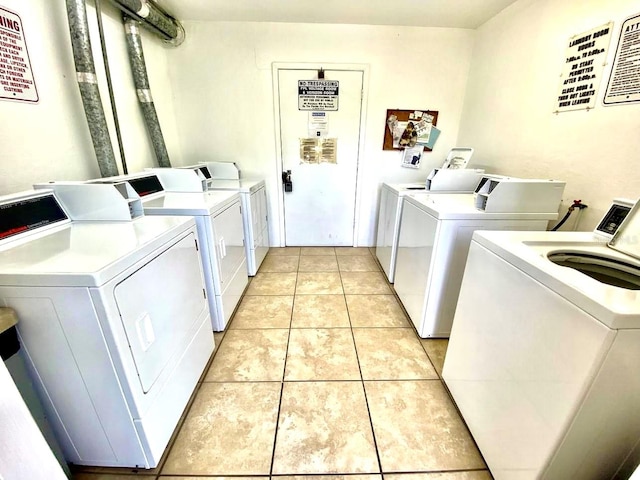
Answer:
[(355, 67)]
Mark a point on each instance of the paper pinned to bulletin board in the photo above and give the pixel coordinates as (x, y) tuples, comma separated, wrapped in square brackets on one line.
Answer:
[(410, 129)]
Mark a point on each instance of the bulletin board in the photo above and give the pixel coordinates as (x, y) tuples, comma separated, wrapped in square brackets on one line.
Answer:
[(405, 116)]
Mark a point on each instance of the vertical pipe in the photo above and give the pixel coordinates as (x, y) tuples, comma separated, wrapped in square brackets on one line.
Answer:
[(88, 85), (116, 121), (141, 80)]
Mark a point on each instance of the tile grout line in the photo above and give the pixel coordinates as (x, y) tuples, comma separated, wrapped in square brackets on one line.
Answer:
[(440, 379), (284, 371), (364, 390)]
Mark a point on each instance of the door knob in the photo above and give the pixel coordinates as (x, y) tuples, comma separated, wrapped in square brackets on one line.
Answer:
[(286, 181)]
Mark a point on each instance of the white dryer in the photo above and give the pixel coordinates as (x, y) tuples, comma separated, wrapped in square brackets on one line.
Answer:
[(220, 229), (545, 348), (113, 320), (254, 215), (434, 239), (253, 195)]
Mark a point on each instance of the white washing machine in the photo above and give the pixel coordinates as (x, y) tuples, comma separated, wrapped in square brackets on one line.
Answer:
[(452, 177), (435, 233), (220, 228), (390, 212), (545, 349), (113, 321)]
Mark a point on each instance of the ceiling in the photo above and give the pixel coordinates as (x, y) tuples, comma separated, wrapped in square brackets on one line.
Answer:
[(422, 13)]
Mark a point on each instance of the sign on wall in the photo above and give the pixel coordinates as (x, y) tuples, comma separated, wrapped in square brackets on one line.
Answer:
[(584, 61), (624, 81), (319, 95), (16, 77)]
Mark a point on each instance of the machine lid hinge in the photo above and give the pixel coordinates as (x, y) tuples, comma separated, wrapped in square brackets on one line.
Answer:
[(204, 292), (196, 240)]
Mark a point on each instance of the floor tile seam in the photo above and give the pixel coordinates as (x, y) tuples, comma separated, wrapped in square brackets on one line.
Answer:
[(284, 369), (364, 392), (412, 326), (329, 474), (418, 472), (464, 422), (179, 426), (430, 360), (242, 381), (330, 328), (329, 380)]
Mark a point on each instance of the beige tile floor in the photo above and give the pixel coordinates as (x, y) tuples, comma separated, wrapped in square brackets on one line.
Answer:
[(319, 374)]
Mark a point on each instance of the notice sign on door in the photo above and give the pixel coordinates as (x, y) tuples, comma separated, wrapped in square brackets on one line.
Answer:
[(16, 77), (624, 82), (583, 64), (319, 95)]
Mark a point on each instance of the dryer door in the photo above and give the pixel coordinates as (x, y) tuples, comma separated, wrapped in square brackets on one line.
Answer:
[(159, 305), (229, 233)]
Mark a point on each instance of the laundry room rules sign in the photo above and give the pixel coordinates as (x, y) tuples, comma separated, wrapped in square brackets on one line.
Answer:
[(583, 65), (16, 77), (624, 82), (318, 95)]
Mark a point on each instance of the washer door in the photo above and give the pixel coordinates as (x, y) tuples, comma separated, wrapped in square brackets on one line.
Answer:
[(159, 306), (604, 269)]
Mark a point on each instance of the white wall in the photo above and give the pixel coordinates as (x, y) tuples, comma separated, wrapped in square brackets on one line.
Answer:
[(50, 140), (510, 97), (222, 82)]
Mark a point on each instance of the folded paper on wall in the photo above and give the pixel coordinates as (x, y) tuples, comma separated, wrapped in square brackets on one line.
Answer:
[(318, 150)]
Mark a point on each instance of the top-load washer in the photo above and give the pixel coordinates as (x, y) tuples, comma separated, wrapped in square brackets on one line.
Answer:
[(390, 213), (435, 234), (113, 321), (544, 352), (452, 177), (219, 222)]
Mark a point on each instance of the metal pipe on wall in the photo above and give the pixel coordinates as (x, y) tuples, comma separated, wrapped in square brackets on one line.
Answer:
[(88, 85), (151, 16), (141, 80), (112, 98)]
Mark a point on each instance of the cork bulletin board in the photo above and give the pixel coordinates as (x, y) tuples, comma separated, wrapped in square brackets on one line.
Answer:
[(406, 116)]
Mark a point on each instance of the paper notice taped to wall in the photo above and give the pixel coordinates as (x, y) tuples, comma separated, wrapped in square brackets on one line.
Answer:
[(318, 150), (624, 81)]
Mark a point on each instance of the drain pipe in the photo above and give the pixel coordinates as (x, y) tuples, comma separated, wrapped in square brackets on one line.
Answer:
[(88, 85), (141, 80)]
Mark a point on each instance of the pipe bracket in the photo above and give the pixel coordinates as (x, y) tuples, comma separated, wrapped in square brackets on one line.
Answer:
[(144, 95), (86, 77), (131, 28), (144, 9)]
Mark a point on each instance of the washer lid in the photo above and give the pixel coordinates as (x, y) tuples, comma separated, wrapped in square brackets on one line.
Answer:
[(458, 158), (627, 239)]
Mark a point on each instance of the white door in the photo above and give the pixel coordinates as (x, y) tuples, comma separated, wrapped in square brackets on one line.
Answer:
[(320, 209)]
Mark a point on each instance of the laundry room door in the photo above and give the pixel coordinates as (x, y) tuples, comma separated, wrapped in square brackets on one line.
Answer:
[(319, 122)]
